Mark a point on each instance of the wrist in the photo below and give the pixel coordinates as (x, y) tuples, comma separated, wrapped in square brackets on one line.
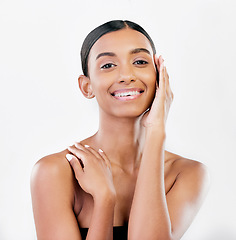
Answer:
[(105, 197), (157, 130)]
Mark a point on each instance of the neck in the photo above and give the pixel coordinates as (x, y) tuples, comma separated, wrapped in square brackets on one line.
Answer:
[(120, 140)]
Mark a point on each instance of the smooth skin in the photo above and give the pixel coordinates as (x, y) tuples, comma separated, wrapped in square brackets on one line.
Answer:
[(132, 179)]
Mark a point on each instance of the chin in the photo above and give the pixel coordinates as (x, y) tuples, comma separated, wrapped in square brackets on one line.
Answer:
[(129, 112)]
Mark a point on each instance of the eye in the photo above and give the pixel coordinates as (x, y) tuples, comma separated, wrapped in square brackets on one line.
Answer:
[(140, 62), (107, 65)]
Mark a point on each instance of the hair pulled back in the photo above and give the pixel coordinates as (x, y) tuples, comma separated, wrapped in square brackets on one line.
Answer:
[(101, 30)]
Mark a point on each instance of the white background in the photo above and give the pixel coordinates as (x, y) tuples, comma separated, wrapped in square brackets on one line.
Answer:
[(42, 110)]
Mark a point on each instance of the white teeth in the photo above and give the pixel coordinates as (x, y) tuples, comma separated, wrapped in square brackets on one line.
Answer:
[(125, 94)]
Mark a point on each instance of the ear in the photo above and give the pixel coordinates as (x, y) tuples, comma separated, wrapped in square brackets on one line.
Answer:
[(85, 86)]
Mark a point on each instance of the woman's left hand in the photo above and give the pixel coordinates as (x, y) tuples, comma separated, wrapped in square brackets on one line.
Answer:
[(157, 115)]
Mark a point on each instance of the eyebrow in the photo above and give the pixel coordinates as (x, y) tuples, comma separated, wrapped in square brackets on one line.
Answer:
[(134, 51), (138, 50), (111, 54)]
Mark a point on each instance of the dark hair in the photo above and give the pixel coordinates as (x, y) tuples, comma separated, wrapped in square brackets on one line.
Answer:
[(101, 30)]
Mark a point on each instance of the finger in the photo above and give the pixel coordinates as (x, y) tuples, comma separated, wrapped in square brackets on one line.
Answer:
[(104, 156), (157, 62), (81, 146), (79, 154), (162, 77), (161, 60), (86, 148), (91, 150), (166, 77), (75, 164), (168, 88)]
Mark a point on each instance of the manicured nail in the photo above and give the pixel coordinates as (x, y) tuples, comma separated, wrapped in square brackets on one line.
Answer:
[(86, 146), (69, 157), (100, 150)]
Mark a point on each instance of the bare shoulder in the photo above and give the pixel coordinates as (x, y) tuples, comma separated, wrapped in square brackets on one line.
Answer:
[(53, 173), (53, 198), (184, 165), (52, 165), (188, 172)]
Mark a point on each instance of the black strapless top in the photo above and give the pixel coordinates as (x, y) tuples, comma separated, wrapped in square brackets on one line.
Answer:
[(119, 233)]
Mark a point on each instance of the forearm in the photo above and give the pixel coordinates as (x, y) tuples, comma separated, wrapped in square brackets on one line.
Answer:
[(149, 217), (101, 226)]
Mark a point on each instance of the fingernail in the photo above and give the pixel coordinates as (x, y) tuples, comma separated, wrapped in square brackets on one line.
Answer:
[(100, 150), (86, 146), (69, 157)]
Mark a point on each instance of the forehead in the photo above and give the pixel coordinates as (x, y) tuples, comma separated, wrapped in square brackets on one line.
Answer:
[(120, 41)]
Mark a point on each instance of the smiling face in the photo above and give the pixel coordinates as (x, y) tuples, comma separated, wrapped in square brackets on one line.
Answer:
[(122, 73)]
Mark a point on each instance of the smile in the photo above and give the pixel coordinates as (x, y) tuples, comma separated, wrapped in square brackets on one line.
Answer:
[(127, 94)]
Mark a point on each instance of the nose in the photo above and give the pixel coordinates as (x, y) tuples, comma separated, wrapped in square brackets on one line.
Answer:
[(126, 75)]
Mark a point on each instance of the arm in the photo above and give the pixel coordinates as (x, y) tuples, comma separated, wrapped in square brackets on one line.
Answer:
[(93, 171), (153, 214), (186, 196), (149, 211), (52, 190), (52, 194)]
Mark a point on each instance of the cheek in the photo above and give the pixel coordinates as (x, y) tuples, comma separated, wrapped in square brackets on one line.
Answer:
[(151, 82), (102, 82), (99, 86), (149, 78), (154, 76)]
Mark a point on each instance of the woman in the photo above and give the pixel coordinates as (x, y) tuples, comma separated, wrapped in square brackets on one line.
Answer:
[(120, 181)]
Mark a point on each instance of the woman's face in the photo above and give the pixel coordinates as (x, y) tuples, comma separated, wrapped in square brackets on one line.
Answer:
[(122, 73)]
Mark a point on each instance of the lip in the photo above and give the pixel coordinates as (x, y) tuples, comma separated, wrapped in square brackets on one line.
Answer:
[(127, 94)]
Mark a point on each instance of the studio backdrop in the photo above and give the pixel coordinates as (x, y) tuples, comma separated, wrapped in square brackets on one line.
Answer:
[(43, 111)]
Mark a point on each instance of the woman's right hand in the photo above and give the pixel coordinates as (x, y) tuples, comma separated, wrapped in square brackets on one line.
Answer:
[(92, 170)]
